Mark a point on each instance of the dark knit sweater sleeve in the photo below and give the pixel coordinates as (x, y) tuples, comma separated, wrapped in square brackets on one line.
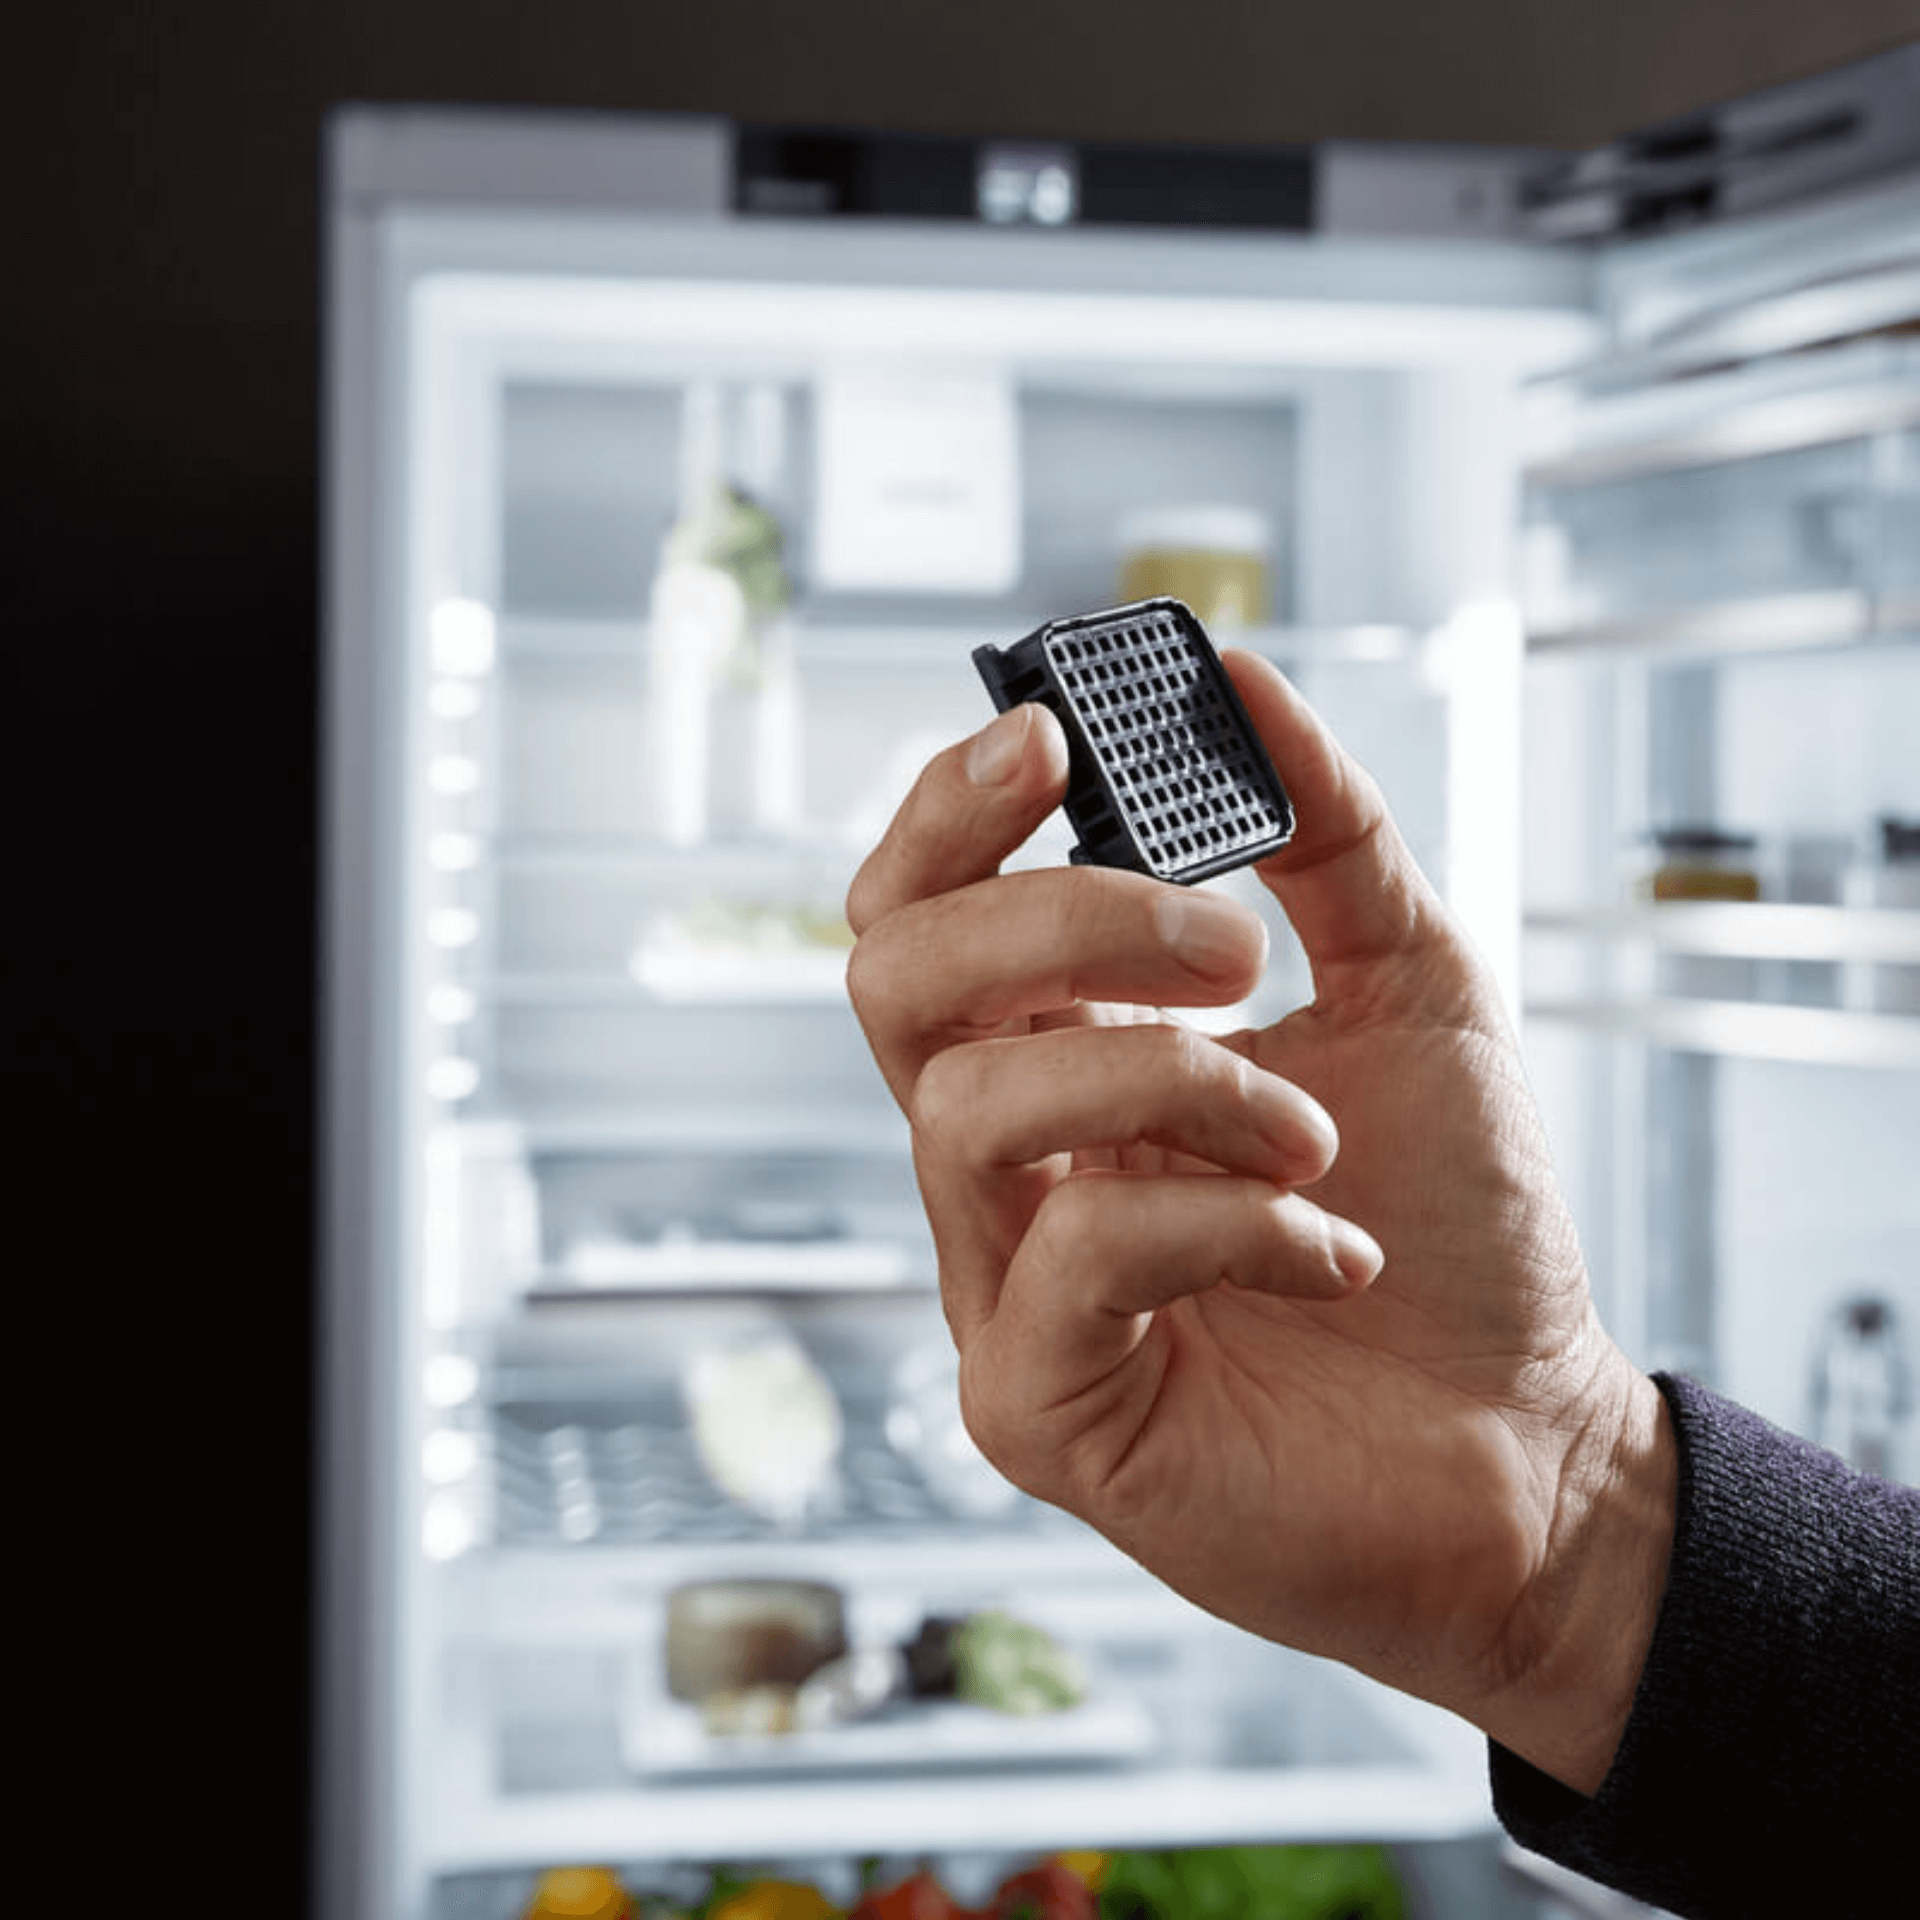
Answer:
[(1771, 1762)]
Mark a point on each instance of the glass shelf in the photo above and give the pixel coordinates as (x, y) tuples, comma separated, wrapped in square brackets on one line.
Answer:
[(635, 1127), (1102, 1806), (569, 640), (1726, 629), (1242, 1738), (680, 977), (1754, 930), (1814, 1036), (735, 861)]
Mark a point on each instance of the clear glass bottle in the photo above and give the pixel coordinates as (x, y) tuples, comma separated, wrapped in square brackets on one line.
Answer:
[(1887, 877), (726, 720), (1862, 1386)]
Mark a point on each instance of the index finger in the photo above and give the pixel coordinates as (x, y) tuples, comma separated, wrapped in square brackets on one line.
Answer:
[(972, 805)]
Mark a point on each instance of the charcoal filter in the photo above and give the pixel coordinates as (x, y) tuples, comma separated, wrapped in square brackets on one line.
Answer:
[(1166, 775)]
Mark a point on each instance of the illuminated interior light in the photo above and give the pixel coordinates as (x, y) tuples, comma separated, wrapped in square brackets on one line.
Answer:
[(453, 927), (453, 852), (449, 1457), (452, 1079), (454, 699), (1051, 197), (463, 638), (1003, 195), (453, 773), (451, 1380), (447, 1531), (449, 1005)]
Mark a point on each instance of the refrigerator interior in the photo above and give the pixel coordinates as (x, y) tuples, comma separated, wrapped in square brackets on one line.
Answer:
[(601, 1111)]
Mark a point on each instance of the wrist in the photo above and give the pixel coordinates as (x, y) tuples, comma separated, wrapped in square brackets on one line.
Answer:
[(1583, 1630)]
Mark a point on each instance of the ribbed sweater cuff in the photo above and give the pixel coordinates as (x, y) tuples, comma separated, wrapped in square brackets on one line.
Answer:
[(1772, 1755)]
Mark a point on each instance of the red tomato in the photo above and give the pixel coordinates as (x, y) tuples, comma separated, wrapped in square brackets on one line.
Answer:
[(919, 1897), (1050, 1891)]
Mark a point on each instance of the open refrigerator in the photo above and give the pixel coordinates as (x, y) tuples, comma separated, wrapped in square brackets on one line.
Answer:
[(1574, 536)]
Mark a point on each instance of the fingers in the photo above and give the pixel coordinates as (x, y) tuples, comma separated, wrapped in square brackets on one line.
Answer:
[(988, 1115), (1011, 1103), (962, 965), (970, 808), (1107, 1251), (1346, 881)]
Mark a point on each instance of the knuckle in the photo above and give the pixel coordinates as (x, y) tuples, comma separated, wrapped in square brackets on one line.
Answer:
[(1088, 905), (864, 967), (879, 968), (864, 902), (1187, 1055), (945, 1097), (1074, 1221), (1180, 1069)]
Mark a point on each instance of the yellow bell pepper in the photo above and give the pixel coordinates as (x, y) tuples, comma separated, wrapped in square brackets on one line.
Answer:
[(1086, 1866), (776, 1900), (579, 1893)]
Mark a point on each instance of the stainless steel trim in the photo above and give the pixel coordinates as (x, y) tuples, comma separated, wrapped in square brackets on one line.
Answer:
[(478, 157)]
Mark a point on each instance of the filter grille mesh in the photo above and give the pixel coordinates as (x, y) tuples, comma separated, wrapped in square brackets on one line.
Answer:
[(1189, 786)]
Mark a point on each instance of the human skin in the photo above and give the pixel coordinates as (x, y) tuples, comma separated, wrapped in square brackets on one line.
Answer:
[(1296, 1317)]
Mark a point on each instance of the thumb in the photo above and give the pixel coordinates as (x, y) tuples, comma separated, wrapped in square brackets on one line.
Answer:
[(1348, 884)]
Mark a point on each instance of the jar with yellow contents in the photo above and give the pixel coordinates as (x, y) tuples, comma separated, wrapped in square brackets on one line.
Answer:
[(1693, 865), (1213, 558)]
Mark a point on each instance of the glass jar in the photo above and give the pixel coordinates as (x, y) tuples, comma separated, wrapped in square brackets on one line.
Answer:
[(1213, 558), (1703, 863), (1696, 864)]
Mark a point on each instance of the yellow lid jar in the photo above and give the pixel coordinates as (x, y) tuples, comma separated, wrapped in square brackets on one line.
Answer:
[(1215, 558)]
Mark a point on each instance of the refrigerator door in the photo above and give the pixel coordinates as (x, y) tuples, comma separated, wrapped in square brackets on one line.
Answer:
[(626, 1283), (1722, 512)]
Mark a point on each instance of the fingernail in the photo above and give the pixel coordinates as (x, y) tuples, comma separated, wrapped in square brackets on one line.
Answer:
[(1356, 1253), (1209, 935), (996, 750), (1323, 1136)]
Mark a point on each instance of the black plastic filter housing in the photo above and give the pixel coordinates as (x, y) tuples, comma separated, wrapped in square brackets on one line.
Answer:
[(1165, 772)]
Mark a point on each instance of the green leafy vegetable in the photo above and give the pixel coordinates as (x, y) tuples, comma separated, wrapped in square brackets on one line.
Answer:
[(1253, 1883), (1002, 1662)]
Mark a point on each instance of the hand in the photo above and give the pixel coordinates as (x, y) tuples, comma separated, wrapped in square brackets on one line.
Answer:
[(1296, 1318)]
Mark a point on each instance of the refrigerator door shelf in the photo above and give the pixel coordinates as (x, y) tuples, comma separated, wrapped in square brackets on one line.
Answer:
[(1731, 629), (1834, 393), (1760, 930), (1810, 1036)]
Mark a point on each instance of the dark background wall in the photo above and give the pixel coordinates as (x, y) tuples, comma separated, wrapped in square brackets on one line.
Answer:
[(160, 290)]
